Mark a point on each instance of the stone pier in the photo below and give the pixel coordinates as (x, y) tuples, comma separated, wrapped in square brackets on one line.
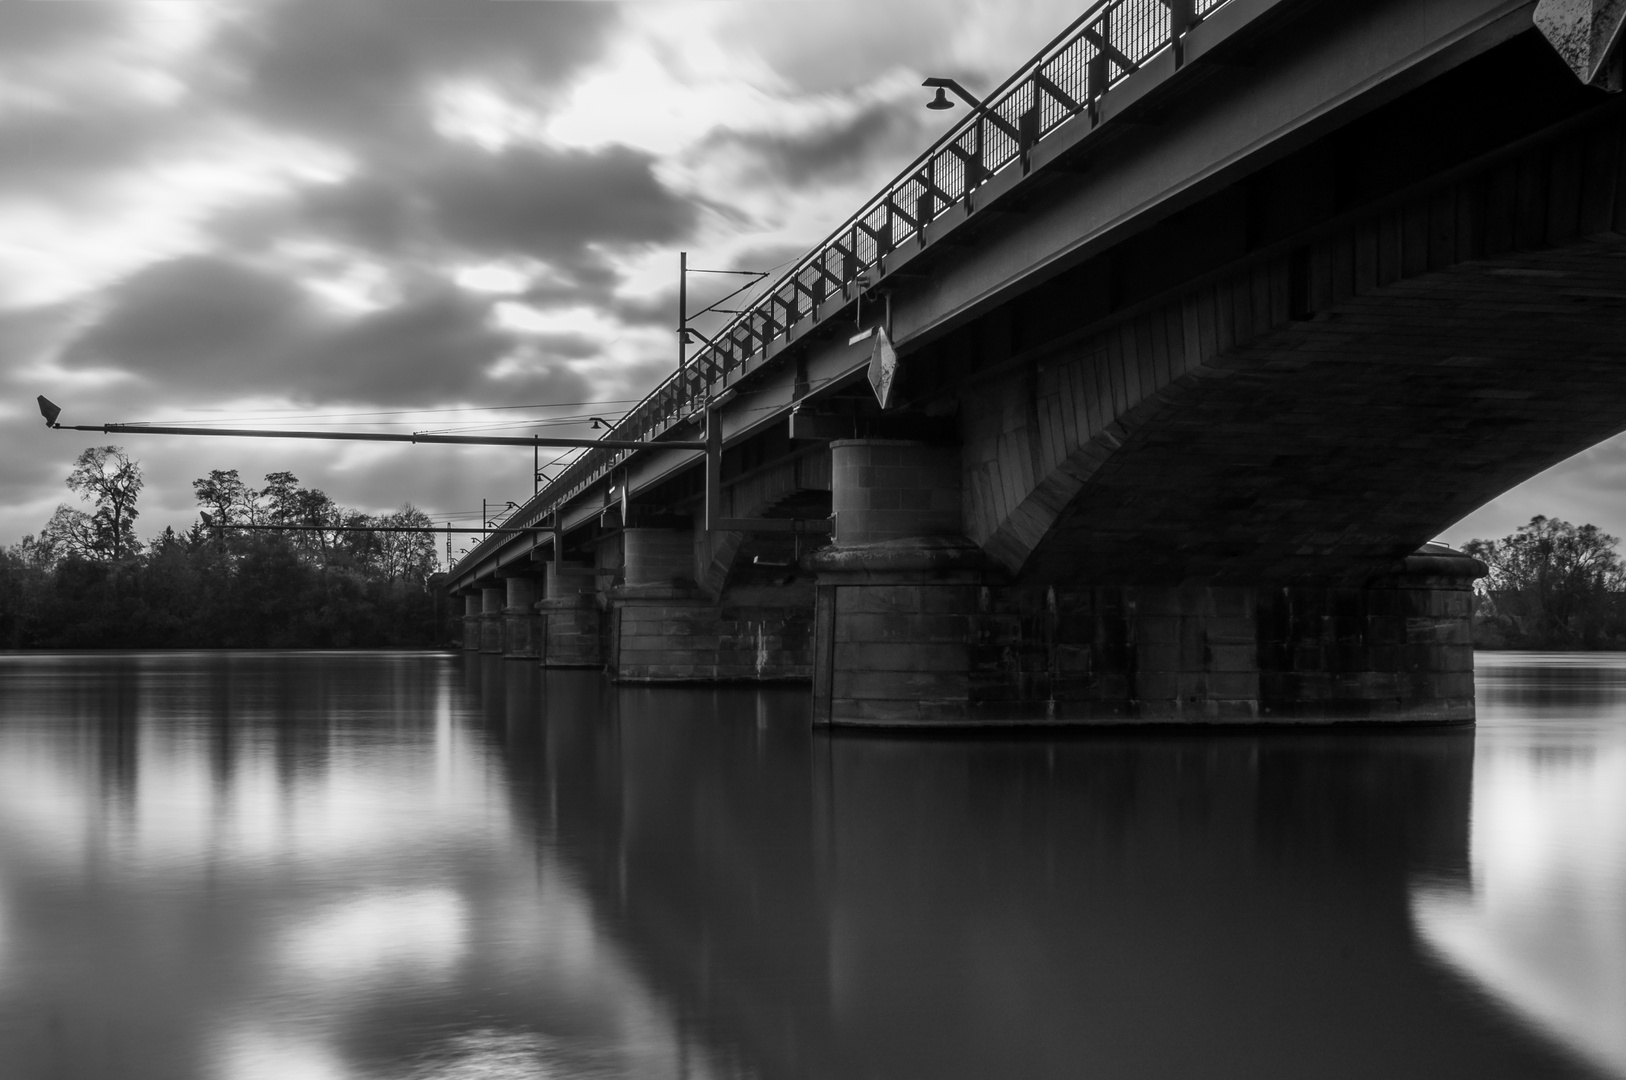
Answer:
[(520, 620), (666, 629), (491, 604), (915, 627), (570, 617), (471, 620)]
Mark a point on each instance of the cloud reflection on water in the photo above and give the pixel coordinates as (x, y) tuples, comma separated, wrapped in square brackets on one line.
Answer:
[(1542, 927), (233, 866)]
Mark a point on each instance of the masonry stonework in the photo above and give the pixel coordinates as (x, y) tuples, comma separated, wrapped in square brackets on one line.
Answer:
[(569, 618), (491, 603), (521, 622), (471, 621), (925, 630)]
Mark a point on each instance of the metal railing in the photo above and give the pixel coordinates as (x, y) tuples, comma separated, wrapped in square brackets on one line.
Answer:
[(1064, 80)]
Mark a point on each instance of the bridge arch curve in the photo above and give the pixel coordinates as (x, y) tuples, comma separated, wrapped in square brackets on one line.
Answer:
[(794, 486), (1322, 411)]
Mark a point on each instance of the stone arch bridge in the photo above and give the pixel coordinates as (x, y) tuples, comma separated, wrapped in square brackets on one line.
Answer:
[(1202, 331)]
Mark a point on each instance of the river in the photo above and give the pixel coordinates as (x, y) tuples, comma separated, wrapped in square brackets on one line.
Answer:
[(410, 866)]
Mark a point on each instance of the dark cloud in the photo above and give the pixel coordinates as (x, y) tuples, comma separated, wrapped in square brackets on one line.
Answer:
[(358, 69), (196, 317), (40, 152), (540, 200), (198, 328), (537, 201), (881, 131)]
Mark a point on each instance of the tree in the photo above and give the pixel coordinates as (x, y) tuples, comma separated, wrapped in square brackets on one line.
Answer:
[(226, 499), (280, 498), (111, 481), (313, 507), (409, 556), (66, 589), (1552, 584), (71, 533)]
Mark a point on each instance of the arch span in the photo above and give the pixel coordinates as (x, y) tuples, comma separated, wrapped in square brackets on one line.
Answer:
[(1322, 412)]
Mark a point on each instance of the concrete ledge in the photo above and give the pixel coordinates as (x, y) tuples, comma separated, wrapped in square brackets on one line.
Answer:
[(914, 555)]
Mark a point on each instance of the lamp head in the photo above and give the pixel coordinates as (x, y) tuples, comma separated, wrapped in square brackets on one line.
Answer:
[(941, 101), (50, 410)]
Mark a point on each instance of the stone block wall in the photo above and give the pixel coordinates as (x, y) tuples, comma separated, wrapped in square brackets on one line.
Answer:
[(657, 557), (491, 604), (751, 635), (520, 620), (1117, 654), (890, 489), (948, 653), (1366, 653), (901, 653), (1146, 653), (471, 622), (570, 621)]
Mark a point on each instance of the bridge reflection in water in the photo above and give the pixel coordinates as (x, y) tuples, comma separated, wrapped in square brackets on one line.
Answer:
[(1112, 905), (429, 868)]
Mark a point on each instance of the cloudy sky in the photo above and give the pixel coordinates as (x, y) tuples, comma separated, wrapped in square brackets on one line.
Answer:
[(398, 215)]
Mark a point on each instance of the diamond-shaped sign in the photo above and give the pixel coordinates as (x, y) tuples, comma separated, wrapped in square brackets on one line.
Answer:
[(1584, 33), (883, 368)]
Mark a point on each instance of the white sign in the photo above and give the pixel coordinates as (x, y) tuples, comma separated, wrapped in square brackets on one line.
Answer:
[(883, 368)]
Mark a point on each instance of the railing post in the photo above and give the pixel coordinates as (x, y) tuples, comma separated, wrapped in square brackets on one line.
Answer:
[(1027, 126), (1182, 16)]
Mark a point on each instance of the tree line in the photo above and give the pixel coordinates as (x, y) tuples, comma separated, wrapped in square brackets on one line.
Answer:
[(318, 575), (313, 575), (1552, 585)]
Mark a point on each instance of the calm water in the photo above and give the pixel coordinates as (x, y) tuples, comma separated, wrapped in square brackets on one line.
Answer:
[(300, 866)]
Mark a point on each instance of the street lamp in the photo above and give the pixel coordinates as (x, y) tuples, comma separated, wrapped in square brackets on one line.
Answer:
[(941, 101)]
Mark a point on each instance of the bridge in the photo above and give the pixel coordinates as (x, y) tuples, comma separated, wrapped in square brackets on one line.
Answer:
[(1138, 396)]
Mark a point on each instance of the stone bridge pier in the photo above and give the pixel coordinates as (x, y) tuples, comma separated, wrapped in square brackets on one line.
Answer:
[(491, 618), (569, 617), (471, 620), (520, 638), (915, 625)]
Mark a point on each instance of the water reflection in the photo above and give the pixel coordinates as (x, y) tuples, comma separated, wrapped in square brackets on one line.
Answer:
[(1541, 926), (288, 866), (413, 866)]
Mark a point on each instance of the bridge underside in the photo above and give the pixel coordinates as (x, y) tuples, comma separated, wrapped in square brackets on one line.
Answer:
[(1329, 449)]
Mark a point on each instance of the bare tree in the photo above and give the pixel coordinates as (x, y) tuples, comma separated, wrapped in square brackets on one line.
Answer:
[(406, 555), (111, 481), (70, 532)]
